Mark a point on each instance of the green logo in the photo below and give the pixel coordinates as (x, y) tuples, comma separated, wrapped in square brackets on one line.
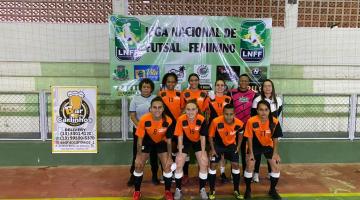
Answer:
[(253, 34), (127, 37)]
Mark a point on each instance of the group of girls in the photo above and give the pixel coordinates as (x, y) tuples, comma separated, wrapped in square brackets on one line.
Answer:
[(178, 122)]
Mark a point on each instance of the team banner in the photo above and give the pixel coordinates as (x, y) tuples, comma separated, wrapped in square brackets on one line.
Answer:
[(149, 46), (74, 127)]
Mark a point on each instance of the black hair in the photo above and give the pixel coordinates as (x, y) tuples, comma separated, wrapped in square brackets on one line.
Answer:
[(273, 93), (166, 76), (271, 120), (244, 75), (228, 106), (147, 81), (196, 75)]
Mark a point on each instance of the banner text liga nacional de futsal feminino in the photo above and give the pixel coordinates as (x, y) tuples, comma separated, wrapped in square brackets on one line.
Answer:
[(213, 47)]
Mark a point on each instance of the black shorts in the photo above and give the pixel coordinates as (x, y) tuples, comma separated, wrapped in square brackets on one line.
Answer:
[(228, 152), (188, 145), (267, 151), (160, 147)]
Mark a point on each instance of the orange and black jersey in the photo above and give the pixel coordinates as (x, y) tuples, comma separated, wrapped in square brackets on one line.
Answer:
[(225, 134), (157, 130), (172, 103), (217, 106), (201, 97), (263, 135), (191, 130)]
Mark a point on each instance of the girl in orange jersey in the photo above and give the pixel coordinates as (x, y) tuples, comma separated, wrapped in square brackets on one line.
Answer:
[(191, 130), (170, 96), (154, 131), (263, 131), (194, 92), (218, 100), (202, 100), (216, 106)]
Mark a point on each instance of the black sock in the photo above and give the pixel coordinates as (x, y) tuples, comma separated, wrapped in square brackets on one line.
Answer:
[(236, 180), (186, 168), (202, 183), (137, 182), (273, 183), (167, 183), (212, 181), (248, 184), (178, 183)]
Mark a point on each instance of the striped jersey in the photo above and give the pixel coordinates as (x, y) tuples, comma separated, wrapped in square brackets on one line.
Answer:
[(242, 103)]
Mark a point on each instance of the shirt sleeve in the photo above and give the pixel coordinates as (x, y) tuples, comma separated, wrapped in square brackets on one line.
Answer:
[(140, 130), (248, 130), (254, 103), (170, 129), (182, 100), (132, 107), (212, 129), (278, 131), (206, 103), (178, 128), (241, 130), (203, 129), (280, 106)]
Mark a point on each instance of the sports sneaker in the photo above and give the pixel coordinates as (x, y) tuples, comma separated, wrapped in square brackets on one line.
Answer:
[(224, 179), (247, 194), (136, 195), (212, 195), (168, 195), (274, 195), (237, 195), (203, 194), (178, 194), (255, 178)]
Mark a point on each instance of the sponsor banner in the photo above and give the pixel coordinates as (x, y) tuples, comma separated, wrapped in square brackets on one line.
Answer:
[(74, 127), (204, 72), (150, 46)]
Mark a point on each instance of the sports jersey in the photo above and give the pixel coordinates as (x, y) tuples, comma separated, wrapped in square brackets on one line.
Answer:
[(217, 105), (201, 98), (224, 133), (172, 103), (191, 130), (263, 135), (242, 103), (157, 130), (140, 105)]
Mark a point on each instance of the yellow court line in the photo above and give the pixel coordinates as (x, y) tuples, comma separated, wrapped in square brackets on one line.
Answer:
[(321, 195)]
